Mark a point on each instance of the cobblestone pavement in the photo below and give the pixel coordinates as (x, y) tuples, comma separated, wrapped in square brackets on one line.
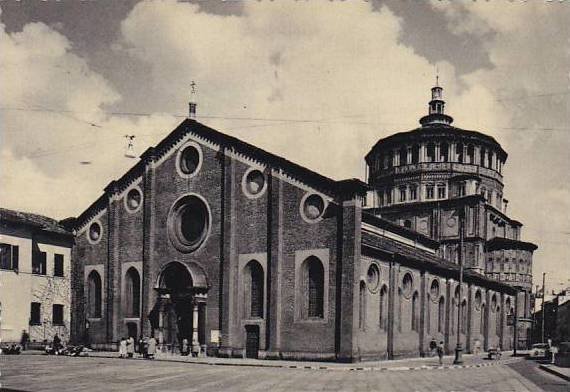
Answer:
[(43, 373)]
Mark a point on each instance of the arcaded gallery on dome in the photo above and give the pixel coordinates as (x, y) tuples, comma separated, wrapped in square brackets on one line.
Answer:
[(246, 254)]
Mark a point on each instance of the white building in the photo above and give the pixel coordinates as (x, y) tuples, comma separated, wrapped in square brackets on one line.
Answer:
[(35, 254)]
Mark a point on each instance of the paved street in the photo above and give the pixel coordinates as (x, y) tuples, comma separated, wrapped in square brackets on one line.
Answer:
[(42, 373)]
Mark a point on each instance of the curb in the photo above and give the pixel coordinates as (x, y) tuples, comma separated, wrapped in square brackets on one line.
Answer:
[(331, 368), (550, 370)]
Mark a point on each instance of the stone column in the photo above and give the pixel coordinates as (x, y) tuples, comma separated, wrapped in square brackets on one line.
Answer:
[(396, 156), (409, 156), (452, 154), (477, 155), (422, 152), (437, 153), (195, 342)]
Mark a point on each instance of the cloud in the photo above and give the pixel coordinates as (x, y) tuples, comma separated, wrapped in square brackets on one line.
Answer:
[(53, 117), (525, 91)]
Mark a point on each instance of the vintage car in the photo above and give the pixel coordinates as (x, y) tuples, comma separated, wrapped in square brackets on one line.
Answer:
[(539, 350)]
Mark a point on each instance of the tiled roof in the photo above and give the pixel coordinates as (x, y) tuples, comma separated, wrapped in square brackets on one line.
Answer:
[(34, 220), (419, 258)]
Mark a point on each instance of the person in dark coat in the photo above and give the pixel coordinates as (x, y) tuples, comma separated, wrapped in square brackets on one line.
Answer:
[(56, 343), (24, 340), (440, 352)]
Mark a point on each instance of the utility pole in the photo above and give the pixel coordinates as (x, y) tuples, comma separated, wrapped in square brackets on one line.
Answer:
[(543, 294), (458, 348)]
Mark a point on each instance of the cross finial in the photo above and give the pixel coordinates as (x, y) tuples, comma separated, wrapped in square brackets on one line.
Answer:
[(436, 76)]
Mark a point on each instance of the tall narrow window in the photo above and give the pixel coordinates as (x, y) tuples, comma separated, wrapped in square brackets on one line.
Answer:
[(255, 272), (441, 315), (430, 152), (9, 256), (315, 275), (413, 192), (482, 321), (498, 321), (470, 154), (403, 156), (441, 191), (415, 321), (35, 313), (383, 307), (57, 314), (459, 150), (362, 306), (415, 153), (132, 293), (57, 265), (429, 191), (94, 295), (400, 298), (402, 193), (482, 157), (39, 265), (444, 152)]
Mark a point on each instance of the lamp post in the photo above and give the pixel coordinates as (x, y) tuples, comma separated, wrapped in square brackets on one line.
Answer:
[(459, 348)]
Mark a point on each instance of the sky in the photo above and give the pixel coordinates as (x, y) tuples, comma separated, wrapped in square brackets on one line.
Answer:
[(318, 82)]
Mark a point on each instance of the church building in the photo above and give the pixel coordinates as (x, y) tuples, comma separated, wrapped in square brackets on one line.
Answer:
[(247, 254)]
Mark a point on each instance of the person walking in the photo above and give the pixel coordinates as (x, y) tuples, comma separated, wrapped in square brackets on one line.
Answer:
[(142, 349), (123, 348), (24, 340), (151, 347), (440, 352), (130, 347), (432, 347), (477, 349), (185, 348)]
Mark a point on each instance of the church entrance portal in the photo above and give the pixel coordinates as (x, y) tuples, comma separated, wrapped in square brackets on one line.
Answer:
[(179, 310)]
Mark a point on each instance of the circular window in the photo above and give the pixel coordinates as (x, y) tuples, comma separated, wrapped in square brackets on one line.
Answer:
[(373, 277), (478, 300), (434, 290), (189, 160), (312, 207), (189, 223), (133, 200), (94, 232), (407, 285), (253, 183)]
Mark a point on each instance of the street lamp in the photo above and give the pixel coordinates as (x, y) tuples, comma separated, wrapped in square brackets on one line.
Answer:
[(459, 348)]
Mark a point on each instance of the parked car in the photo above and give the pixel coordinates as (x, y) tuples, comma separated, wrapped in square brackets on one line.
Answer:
[(539, 350)]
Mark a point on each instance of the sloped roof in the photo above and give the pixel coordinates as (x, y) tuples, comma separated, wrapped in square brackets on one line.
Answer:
[(41, 222), (312, 178), (421, 259)]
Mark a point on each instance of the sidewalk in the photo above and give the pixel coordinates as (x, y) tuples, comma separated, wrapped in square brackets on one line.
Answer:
[(557, 371), (427, 363)]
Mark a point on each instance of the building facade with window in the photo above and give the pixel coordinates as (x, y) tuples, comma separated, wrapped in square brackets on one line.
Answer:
[(35, 267), (460, 202), (244, 253)]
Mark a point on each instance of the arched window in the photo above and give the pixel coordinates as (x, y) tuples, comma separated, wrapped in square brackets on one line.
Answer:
[(254, 286), (315, 285), (415, 321), (94, 295), (464, 317), (400, 309), (441, 315), (132, 293), (362, 306), (498, 321), (383, 307)]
